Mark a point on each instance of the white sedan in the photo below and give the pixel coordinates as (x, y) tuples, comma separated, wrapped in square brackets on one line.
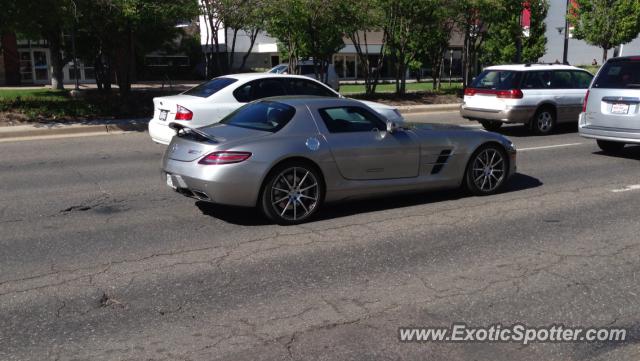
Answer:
[(211, 101)]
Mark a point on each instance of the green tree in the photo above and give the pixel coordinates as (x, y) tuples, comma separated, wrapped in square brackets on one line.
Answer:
[(361, 18), (605, 23), (408, 26), (121, 30), (507, 43)]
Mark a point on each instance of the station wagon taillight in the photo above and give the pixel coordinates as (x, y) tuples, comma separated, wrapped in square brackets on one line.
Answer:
[(225, 158), (584, 104), (510, 94), (504, 94), (183, 113)]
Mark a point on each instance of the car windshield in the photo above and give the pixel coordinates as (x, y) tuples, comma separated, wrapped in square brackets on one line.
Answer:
[(269, 116), (622, 74), (496, 80), (209, 88)]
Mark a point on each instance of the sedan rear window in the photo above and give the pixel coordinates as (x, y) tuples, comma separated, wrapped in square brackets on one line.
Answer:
[(497, 80), (269, 116), (622, 74), (209, 88)]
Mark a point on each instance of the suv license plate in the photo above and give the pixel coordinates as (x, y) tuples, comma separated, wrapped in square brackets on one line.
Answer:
[(163, 115), (619, 108)]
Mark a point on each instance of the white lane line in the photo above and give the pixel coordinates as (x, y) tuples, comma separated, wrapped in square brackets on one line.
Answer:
[(550, 146), (633, 187)]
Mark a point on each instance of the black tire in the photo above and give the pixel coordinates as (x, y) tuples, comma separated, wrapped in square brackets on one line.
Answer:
[(608, 146), (544, 121), (478, 179), (289, 190), (491, 125)]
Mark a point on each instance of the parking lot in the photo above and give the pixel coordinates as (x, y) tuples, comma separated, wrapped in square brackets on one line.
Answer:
[(100, 257)]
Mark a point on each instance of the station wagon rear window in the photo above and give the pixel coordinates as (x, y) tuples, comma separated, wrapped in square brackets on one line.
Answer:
[(497, 80), (269, 116), (209, 88), (622, 74)]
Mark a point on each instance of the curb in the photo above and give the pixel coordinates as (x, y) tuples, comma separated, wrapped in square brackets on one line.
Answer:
[(431, 108), (17, 132)]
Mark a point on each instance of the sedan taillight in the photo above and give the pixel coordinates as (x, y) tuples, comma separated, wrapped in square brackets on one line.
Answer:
[(225, 158), (510, 94), (183, 113)]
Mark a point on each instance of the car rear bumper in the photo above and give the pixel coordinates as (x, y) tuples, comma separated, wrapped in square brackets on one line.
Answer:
[(160, 132), (513, 114), (611, 134), (230, 184)]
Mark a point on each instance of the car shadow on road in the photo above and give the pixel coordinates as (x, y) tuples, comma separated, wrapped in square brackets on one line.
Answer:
[(521, 131), (629, 152), (252, 217)]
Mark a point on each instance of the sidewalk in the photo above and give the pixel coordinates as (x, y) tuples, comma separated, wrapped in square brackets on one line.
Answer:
[(96, 127)]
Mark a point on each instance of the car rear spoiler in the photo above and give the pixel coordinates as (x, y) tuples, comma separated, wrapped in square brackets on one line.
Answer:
[(183, 129)]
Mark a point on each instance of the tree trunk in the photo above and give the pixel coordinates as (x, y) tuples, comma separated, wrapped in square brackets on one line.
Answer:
[(57, 80), (253, 35), (604, 55)]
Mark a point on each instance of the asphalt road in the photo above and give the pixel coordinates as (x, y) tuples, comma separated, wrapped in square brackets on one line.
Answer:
[(99, 260)]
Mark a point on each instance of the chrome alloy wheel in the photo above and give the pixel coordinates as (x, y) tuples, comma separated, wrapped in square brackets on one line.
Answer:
[(489, 170), (545, 121), (294, 193)]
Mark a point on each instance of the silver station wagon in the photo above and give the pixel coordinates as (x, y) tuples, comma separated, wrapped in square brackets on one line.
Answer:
[(537, 95), (611, 112)]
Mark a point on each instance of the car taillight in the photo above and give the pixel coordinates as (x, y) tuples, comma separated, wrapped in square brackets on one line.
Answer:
[(470, 92), (584, 104), (183, 113), (225, 158), (510, 94)]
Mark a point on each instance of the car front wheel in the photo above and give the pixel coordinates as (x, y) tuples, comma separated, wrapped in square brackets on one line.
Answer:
[(487, 170), (608, 146), (293, 192)]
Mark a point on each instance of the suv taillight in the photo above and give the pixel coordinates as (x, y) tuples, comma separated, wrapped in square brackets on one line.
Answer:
[(225, 158), (469, 91), (183, 113), (584, 104), (510, 94)]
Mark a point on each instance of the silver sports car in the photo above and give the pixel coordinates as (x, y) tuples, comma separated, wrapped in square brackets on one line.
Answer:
[(289, 155)]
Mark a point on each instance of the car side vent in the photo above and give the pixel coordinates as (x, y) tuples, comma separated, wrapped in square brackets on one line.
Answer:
[(443, 158)]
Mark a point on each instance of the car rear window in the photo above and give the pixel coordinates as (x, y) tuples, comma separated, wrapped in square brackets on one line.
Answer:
[(269, 116), (497, 80), (209, 88), (621, 74)]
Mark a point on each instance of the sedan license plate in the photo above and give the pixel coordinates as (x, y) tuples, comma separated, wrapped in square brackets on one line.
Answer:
[(163, 115), (620, 108), (170, 182)]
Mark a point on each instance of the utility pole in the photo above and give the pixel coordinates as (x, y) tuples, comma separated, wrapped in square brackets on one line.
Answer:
[(565, 51), (73, 44)]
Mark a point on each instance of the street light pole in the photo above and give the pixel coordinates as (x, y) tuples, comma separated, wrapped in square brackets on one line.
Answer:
[(565, 51)]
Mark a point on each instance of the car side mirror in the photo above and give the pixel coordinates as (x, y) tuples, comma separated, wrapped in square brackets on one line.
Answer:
[(392, 127)]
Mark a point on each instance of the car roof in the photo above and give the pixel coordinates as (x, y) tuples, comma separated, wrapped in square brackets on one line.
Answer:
[(529, 67), (253, 76), (312, 100)]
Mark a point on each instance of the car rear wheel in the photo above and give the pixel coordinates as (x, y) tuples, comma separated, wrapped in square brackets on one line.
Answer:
[(491, 125), (608, 146), (544, 122), (292, 194), (487, 170)]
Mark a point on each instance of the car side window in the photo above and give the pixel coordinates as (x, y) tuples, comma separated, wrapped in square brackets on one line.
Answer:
[(537, 80), (582, 79), (350, 119), (259, 89), (307, 87), (561, 79)]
